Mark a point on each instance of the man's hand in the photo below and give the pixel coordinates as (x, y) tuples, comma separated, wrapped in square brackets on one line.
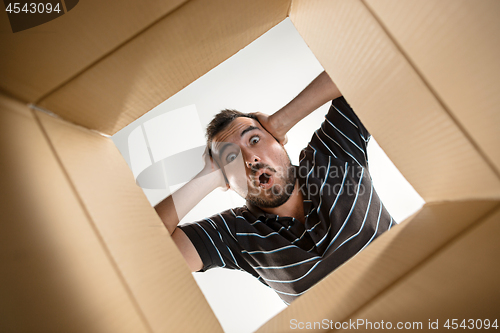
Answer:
[(318, 92), (272, 126), (212, 167), (174, 207)]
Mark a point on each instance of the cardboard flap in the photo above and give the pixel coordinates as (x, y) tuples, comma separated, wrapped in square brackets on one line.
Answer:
[(56, 274), (38, 60), (162, 60), (458, 283), (394, 102), (391, 258), (455, 46), (85, 251), (142, 250)]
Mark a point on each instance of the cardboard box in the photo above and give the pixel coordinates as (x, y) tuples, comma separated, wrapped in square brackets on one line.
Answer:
[(82, 250)]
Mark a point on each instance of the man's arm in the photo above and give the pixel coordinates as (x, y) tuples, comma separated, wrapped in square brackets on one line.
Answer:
[(318, 92), (174, 207)]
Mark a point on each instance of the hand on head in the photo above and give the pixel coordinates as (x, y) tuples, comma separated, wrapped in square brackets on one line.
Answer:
[(211, 166), (269, 125)]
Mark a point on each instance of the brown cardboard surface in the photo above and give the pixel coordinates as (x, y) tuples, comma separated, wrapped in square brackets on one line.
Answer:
[(84, 250), (56, 273), (38, 60), (460, 282), (137, 240), (390, 258), (455, 46), (393, 101), (162, 60)]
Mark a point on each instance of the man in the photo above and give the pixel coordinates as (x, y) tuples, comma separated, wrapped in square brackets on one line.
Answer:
[(299, 222)]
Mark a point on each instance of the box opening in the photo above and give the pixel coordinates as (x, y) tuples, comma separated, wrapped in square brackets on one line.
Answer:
[(263, 77), (89, 236)]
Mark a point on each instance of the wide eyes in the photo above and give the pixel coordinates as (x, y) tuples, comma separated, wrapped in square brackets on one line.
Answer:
[(230, 157), (254, 140)]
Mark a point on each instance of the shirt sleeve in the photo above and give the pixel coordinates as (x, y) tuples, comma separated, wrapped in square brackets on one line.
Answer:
[(214, 242), (342, 135)]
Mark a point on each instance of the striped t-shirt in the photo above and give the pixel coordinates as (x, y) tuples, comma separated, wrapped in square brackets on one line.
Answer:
[(343, 215)]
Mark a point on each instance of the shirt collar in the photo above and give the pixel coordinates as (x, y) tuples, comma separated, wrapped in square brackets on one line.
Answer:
[(258, 212)]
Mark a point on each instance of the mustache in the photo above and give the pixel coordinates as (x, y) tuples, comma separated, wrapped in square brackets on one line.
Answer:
[(257, 167)]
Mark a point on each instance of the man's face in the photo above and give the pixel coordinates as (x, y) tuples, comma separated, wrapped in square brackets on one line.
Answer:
[(256, 165)]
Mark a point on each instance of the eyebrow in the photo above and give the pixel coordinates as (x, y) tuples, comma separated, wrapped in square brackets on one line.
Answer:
[(248, 129), (221, 152)]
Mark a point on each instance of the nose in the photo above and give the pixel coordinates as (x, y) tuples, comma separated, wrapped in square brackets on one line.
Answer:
[(252, 161)]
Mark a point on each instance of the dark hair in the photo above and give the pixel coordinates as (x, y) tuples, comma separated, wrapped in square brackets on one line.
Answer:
[(221, 121)]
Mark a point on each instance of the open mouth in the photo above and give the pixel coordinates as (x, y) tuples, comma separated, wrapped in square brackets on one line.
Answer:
[(264, 178)]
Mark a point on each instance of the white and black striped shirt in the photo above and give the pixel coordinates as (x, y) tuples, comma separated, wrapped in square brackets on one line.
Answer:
[(343, 215)]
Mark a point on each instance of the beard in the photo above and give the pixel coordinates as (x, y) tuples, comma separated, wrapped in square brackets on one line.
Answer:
[(279, 193)]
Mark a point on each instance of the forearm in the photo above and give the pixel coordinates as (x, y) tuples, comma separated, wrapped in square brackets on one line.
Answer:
[(174, 207), (321, 90)]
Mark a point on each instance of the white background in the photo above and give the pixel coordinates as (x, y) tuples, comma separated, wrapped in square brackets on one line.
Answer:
[(264, 76)]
